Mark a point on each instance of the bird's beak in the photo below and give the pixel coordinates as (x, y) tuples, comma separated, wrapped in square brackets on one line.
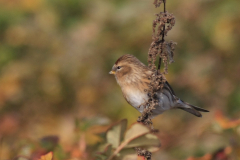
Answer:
[(112, 72)]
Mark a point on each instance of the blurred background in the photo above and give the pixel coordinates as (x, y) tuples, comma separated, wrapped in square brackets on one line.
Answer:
[(56, 93)]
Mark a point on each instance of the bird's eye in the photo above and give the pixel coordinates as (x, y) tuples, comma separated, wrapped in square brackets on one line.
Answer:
[(118, 67)]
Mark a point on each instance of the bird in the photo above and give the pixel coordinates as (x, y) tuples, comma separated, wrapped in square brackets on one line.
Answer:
[(133, 78)]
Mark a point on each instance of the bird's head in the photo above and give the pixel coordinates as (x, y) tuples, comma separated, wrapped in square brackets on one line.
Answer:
[(128, 69)]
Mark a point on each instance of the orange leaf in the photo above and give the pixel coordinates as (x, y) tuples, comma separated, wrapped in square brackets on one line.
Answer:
[(206, 157), (141, 158), (224, 122), (48, 156)]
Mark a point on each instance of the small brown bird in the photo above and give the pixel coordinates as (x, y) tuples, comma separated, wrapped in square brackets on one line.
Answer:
[(132, 76)]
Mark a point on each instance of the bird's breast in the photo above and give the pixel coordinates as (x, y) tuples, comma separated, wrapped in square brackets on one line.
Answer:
[(135, 97)]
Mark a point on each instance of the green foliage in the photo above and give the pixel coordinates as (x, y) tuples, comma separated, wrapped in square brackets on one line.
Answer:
[(115, 134), (119, 145), (70, 11)]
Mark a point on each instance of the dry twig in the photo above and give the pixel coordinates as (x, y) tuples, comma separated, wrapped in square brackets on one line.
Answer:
[(164, 51)]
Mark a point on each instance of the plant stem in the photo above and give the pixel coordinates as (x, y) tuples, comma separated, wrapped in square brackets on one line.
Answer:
[(162, 41)]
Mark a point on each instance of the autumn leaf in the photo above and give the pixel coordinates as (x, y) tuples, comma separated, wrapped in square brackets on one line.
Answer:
[(115, 133), (221, 154), (141, 158), (48, 156), (224, 122), (137, 135), (206, 157)]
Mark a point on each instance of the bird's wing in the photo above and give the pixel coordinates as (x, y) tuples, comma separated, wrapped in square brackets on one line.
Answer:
[(169, 93), (169, 88)]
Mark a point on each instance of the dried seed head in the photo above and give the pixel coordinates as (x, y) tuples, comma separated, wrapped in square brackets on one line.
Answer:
[(162, 24)]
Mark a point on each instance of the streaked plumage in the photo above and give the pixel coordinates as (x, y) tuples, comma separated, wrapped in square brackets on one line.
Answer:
[(133, 78)]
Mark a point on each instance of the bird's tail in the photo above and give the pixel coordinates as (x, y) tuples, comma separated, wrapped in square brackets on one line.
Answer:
[(192, 109)]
